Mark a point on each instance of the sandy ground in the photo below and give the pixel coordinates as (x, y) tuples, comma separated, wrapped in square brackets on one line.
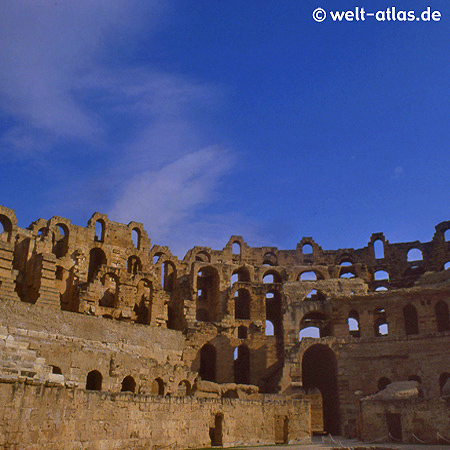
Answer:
[(319, 443)]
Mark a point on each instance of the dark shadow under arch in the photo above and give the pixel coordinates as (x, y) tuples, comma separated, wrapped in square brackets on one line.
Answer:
[(319, 370)]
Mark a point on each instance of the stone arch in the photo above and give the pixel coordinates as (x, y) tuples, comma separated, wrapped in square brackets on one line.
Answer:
[(97, 258), (94, 381), (203, 256), (236, 248), (5, 228), (60, 240), (242, 306), (134, 265), (243, 274), (168, 275), (319, 370), (128, 384), (208, 283), (353, 323), (274, 312), (158, 387), (100, 228), (410, 319), (271, 276), (414, 254), (242, 365), (380, 322), (317, 320), (144, 301), (136, 236), (110, 283), (208, 355), (183, 388), (270, 259)]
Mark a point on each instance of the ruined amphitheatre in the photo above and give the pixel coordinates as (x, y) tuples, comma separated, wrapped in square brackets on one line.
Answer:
[(108, 341)]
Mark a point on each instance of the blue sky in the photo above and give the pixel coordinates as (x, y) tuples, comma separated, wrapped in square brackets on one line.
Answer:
[(211, 118)]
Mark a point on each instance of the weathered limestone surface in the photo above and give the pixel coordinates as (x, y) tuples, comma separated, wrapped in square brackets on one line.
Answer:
[(99, 315), (66, 419)]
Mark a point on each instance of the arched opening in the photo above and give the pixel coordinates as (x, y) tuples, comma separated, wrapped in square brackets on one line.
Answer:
[(307, 249), (242, 275), (446, 265), (99, 230), (157, 257), (271, 277), (168, 276), (353, 324), (381, 289), (242, 332), (274, 315), (308, 276), (347, 274), (270, 329), (143, 306), (270, 259), (319, 370), (128, 384), (203, 256), (242, 304), (382, 383), (410, 319), (380, 322), (236, 248), (378, 248), (442, 316), (242, 365), (136, 237), (346, 261), (207, 294), (380, 275), (158, 387), (5, 228), (60, 240), (443, 377), (184, 388), (94, 381), (97, 258), (207, 369), (110, 290), (315, 323), (414, 255), (134, 265)]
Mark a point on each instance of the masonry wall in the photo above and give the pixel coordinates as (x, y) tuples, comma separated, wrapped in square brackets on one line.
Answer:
[(35, 416), (422, 420)]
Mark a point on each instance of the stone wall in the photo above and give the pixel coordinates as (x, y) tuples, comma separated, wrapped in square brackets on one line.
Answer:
[(104, 298), (36, 416), (421, 420)]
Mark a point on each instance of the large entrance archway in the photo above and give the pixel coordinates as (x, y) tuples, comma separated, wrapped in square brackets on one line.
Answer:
[(319, 370)]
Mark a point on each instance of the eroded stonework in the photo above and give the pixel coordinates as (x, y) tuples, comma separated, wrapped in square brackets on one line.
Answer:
[(107, 341)]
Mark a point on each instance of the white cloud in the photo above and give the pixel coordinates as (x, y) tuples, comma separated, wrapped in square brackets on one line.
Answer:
[(60, 84), (163, 198)]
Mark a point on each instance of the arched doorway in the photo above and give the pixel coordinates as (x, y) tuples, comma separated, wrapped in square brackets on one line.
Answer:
[(207, 369), (319, 370)]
